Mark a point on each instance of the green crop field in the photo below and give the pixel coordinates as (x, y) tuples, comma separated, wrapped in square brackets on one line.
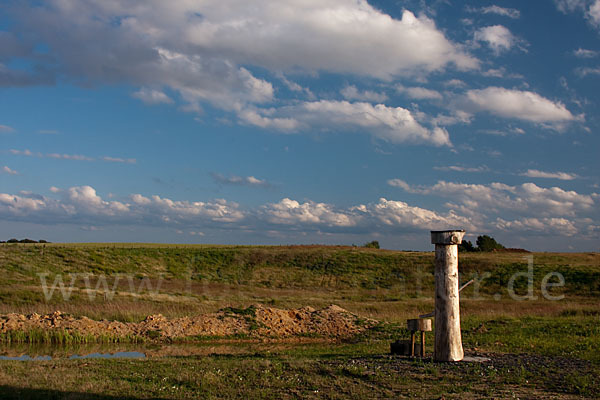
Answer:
[(536, 315)]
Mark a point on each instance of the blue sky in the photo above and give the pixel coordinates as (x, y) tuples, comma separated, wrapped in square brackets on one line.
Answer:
[(330, 121)]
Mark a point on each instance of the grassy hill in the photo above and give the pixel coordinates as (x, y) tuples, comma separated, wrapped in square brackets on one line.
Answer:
[(180, 279)]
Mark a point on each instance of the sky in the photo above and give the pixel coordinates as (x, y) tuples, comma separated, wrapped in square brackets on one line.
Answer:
[(301, 121)]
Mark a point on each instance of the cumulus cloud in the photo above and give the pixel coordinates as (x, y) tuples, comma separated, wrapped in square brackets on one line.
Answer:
[(557, 226), (518, 104), (382, 215), (240, 180), (398, 213), (527, 199), (392, 124), (163, 210), (152, 96), (82, 205), (331, 35), (9, 171), (352, 93), (212, 52), (497, 37), (527, 208), (291, 212), (534, 173), (419, 93)]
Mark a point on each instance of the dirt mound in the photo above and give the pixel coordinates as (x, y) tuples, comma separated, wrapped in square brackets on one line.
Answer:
[(253, 322)]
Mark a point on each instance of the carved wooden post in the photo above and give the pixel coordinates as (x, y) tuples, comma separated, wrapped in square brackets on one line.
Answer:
[(448, 340)]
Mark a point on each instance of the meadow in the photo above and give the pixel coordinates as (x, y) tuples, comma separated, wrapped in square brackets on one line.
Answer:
[(535, 315)]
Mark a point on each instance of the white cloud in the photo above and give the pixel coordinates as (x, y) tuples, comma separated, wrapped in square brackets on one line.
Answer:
[(557, 226), (585, 53), (120, 160), (458, 168), (526, 208), (382, 215), (291, 212), (527, 199), (398, 213), (152, 96), (456, 83), (570, 5), (6, 128), (75, 157), (534, 173), (506, 12), (497, 37), (511, 103), (240, 180), (399, 183), (295, 87), (590, 9), (210, 51), (585, 71), (392, 124), (593, 13), (9, 171), (419, 93), (352, 93), (82, 205), (163, 210), (331, 35)]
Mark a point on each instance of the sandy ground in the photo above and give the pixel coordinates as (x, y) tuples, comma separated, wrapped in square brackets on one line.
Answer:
[(256, 322)]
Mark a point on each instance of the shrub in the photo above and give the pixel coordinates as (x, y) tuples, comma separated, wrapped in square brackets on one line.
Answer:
[(372, 245)]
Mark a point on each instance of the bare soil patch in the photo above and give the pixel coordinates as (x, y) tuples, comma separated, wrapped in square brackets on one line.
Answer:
[(256, 321)]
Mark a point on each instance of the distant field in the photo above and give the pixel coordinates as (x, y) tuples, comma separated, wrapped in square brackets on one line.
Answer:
[(127, 282), (381, 284)]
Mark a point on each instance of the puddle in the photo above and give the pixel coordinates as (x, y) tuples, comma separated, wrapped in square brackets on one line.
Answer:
[(25, 352), (119, 354)]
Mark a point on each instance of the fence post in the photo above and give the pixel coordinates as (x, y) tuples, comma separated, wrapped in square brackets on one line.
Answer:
[(448, 340)]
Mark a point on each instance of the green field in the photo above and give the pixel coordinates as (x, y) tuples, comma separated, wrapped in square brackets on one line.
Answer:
[(543, 344)]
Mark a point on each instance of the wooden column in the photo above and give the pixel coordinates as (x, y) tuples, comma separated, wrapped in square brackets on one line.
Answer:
[(448, 340)]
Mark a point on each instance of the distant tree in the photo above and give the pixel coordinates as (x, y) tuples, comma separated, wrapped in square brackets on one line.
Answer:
[(13, 240), (27, 241), (487, 243), (467, 246), (372, 245), (42, 241)]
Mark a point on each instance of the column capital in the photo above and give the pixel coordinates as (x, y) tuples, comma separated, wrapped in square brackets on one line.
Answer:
[(447, 237)]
